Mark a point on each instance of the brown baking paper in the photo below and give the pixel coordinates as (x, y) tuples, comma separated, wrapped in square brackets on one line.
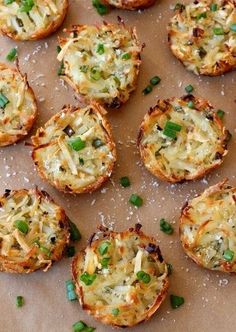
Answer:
[(210, 299)]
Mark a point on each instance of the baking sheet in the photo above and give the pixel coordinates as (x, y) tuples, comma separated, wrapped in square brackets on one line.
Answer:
[(209, 297)]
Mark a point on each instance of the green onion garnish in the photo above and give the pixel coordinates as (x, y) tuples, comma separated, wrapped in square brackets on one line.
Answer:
[(100, 49), (166, 227), (82, 327), (58, 49), (136, 200), (26, 6), (3, 100), (22, 226), (77, 144), (143, 276), (45, 250), (70, 251), (169, 133), (201, 15), (61, 69), (125, 182), (213, 7), (95, 74), (101, 8), (176, 301), (74, 232), (84, 68), (81, 161), (218, 31), (191, 104), (189, 88), (155, 80), (87, 278), (233, 27), (97, 143), (8, 2), (228, 255), (220, 114), (104, 248), (147, 90), (126, 56), (173, 126), (105, 261), (179, 6), (12, 54), (70, 290), (169, 268), (115, 312), (19, 301)]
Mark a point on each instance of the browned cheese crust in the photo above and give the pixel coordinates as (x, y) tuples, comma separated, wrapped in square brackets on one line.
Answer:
[(130, 4)]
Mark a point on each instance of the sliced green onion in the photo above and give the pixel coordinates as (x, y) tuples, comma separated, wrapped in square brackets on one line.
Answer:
[(45, 250), (70, 251), (136, 200), (228, 255), (58, 49), (233, 27), (26, 6), (95, 74), (101, 8), (147, 90), (155, 80), (79, 326), (105, 261), (169, 133), (125, 182), (61, 69), (189, 88), (81, 161), (77, 144), (115, 312), (166, 227), (75, 234), (176, 301), (179, 6), (104, 248), (173, 126), (218, 31), (126, 56), (213, 7), (84, 68), (22, 226), (20, 301), (87, 278), (12, 54), (191, 104), (169, 268), (100, 49), (8, 2), (70, 291), (220, 114), (97, 143), (201, 15), (3, 100), (143, 276)]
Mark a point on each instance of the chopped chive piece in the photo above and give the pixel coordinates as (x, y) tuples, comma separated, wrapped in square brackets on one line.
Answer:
[(169, 133), (143, 276), (189, 88), (179, 6), (70, 291), (213, 7), (105, 261), (97, 143), (201, 15), (115, 312), (8, 2), (20, 301), (84, 69), (74, 232), (125, 182), (136, 200), (173, 126), (22, 226), (3, 100), (82, 327), (87, 278), (191, 104), (176, 301), (169, 268), (81, 161), (220, 114), (155, 80), (147, 90), (233, 27), (126, 56), (166, 227), (45, 250), (61, 69), (70, 251), (95, 74), (101, 8), (58, 49), (77, 144), (26, 6), (104, 248), (100, 49), (12, 54), (218, 31), (228, 255)]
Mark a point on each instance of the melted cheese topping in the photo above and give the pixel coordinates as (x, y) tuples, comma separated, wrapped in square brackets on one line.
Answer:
[(25, 25), (16, 117), (198, 146), (38, 246), (195, 41), (116, 285), (208, 228), (102, 63), (65, 167)]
